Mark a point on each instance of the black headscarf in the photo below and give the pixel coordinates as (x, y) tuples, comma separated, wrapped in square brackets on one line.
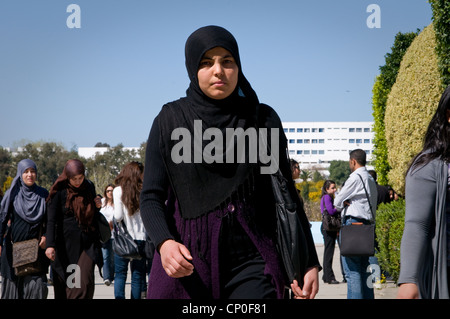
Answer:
[(203, 187)]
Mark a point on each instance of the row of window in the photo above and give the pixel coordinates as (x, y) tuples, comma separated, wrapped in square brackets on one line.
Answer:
[(304, 130), (321, 130), (322, 141), (307, 141), (313, 152)]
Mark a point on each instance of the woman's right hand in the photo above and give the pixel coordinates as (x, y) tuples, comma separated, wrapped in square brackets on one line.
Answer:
[(175, 259), (408, 291), (50, 253)]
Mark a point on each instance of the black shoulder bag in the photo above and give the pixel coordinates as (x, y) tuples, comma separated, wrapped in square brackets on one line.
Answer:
[(331, 222), (123, 244), (291, 240), (358, 239)]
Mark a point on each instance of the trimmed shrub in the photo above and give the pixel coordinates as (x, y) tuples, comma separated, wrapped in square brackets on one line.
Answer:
[(390, 220), (411, 104), (381, 89)]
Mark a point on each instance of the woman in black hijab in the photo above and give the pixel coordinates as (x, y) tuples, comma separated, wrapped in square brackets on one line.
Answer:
[(211, 215), (23, 216), (73, 238)]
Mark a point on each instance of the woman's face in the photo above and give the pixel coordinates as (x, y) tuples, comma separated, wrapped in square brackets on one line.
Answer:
[(109, 192), (217, 73), (332, 189), (76, 180), (29, 177), (296, 172)]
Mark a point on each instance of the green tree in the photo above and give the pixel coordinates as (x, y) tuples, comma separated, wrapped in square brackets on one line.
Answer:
[(100, 144), (305, 175), (441, 23), (50, 159), (5, 165), (339, 171), (316, 177), (104, 168)]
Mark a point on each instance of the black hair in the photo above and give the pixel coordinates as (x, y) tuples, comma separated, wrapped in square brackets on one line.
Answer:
[(326, 185), (437, 138), (359, 155)]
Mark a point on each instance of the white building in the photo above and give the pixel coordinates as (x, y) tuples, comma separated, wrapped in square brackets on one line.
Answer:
[(316, 144)]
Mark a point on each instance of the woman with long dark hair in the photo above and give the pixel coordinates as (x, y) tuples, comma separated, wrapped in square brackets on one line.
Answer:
[(213, 219), (108, 254), (425, 247), (329, 237), (126, 208), (73, 239)]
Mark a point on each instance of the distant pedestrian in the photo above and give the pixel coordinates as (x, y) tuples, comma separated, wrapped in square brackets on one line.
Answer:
[(382, 191), (108, 254), (329, 237), (23, 216), (352, 200), (127, 209), (73, 238)]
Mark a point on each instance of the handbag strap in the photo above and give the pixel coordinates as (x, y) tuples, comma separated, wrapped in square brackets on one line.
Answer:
[(368, 199), (367, 195)]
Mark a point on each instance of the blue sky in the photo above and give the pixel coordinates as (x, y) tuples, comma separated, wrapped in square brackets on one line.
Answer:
[(106, 81)]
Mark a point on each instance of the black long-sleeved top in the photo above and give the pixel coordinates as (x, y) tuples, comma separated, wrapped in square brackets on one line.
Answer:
[(157, 184), (65, 235)]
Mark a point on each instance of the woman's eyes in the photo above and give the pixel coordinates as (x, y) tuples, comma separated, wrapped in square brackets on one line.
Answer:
[(205, 63), (209, 63)]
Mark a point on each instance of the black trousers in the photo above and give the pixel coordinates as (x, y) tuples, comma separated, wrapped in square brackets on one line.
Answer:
[(242, 266), (329, 239)]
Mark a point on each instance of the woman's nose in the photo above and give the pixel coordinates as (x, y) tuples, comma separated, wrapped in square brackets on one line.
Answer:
[(218, 69)]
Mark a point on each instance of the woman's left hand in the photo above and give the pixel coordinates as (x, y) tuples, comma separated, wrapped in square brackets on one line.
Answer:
[(42, 242), (310, 286), (98, 201)]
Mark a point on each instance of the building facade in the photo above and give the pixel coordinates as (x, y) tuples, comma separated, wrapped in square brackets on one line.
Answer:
[(315, 144)]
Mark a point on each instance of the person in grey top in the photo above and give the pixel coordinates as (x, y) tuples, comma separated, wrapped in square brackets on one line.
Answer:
[(424, 254), (353, 202)]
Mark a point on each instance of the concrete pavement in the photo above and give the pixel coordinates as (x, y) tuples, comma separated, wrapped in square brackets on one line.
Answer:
[(326, 291)]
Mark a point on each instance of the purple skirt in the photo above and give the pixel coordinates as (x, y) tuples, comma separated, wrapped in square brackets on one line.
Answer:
[(201, 237)]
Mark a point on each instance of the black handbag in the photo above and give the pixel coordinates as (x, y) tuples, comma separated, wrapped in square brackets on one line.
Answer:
[(123, 244), (103, 227), (358, 239), (331, 222), (291, 240)]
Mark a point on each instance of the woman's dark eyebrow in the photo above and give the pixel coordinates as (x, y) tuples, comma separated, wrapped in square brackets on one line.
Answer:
[(223, 57)]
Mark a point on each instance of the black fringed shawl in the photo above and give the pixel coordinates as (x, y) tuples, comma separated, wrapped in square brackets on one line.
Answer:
[(201, 187)]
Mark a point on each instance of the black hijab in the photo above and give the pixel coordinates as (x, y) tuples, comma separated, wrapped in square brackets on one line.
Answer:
[(202, 187)]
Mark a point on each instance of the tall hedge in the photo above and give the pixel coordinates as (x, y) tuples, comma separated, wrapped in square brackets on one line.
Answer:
[(411, 103), (383, 84), (441, 23)]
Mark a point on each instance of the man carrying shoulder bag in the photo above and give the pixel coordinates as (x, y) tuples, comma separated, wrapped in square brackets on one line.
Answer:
[(357, 201)]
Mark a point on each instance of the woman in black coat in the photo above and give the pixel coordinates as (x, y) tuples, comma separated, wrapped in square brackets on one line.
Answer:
[(73, 240)]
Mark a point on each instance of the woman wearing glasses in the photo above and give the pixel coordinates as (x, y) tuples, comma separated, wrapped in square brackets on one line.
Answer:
[(108, 255)]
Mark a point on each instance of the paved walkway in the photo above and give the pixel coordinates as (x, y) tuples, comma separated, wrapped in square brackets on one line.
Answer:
[(326, 291), (387, 291)]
